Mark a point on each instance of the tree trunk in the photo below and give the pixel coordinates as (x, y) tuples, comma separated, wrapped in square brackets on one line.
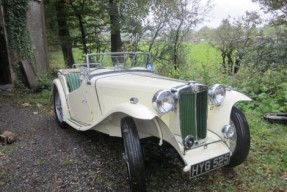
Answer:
[(237, 65), (238, 61), (83, 33), (175, 48), (223, 56), (64, 34), (230, 62), (116, 42), (177, 41), (156, 33), (79, 14)]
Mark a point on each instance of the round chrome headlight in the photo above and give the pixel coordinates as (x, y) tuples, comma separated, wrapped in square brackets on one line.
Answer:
[(163, 101), (216, 94)]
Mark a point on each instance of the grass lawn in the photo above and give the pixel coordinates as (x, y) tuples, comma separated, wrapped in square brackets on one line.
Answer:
[(56, 59), (199, 54), (203, 54)]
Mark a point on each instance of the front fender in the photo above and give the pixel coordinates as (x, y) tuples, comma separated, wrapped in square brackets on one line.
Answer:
[(219, 116), (233, 97), (58, 85), (137, 111)]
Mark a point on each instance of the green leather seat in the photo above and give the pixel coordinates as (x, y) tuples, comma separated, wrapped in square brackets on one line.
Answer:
[(73, 80)]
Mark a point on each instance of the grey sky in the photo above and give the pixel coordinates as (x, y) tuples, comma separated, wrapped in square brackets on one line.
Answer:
[(233, 8)]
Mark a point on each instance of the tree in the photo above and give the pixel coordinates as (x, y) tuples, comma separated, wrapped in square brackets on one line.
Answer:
[(88, 19), (232, 39), (204, 33), (275, 52), (226, 40), (249, 24), (133, 14), (156, 23), (162, 24), (172, 21), (85, 20), (79, 10), (269, 51), (277, 7), (64, 33), (115, 27)]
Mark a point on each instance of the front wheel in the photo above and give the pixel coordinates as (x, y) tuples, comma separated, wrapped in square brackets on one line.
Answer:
[(133, 155), (240, 141)]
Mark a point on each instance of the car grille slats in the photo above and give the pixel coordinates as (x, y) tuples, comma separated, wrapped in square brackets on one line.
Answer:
[(193, 112)]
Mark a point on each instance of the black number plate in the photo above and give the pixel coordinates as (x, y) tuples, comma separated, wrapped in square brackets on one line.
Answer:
[(211, 164)]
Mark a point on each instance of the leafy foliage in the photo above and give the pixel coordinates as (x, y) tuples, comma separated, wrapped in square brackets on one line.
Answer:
[(15, 18), (277, 7), (18, 36), (94, 25), (269, 51), (232, 40), (267, 88)]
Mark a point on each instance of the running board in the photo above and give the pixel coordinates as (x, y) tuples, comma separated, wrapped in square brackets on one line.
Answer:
[(77, 124)]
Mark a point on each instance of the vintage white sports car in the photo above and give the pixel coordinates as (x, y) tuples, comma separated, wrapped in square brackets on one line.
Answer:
[(119, 94)]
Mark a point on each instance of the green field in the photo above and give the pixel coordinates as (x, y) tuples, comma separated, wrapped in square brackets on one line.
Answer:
[(202, 62), (56, 58), (198, 54), (203, 54)]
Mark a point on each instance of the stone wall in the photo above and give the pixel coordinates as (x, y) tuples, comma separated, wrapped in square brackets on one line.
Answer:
[(37, 31)]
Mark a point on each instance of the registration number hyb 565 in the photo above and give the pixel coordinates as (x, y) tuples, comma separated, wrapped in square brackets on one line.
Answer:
[(208, 165)]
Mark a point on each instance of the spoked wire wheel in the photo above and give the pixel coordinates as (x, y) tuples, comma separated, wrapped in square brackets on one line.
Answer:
[(233, 139)]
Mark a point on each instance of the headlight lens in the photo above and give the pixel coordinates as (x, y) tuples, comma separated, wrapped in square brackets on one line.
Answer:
[(163, 101), (216, 94)]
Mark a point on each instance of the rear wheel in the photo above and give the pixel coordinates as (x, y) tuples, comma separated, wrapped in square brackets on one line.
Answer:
[(133, 155), (240, 142), (58, 110)]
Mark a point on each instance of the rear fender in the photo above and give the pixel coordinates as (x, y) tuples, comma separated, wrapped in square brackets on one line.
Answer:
[(58, 85)]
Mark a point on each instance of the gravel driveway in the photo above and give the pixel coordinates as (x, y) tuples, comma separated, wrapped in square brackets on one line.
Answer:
[(48, 158)]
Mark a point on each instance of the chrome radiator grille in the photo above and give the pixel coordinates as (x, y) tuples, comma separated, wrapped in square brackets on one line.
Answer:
[(193, 112)]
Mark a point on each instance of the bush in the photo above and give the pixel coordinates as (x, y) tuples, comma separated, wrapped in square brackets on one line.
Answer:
[(268, 88)]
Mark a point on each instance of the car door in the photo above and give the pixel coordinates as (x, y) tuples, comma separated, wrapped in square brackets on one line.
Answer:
[(80, 109)]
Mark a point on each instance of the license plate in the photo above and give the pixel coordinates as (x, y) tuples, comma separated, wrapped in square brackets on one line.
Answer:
[(209, 165)]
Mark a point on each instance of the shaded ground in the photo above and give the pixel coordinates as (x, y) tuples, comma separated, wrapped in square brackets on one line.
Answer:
[(47, 158)]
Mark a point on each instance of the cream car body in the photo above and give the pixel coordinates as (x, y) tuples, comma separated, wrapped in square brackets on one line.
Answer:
[(104, 96)]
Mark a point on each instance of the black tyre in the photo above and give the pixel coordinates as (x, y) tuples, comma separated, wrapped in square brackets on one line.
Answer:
[(240, 142), (133, 155), (58, 108)]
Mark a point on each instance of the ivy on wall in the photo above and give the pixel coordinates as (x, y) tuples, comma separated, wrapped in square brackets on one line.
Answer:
[(15, 12)]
